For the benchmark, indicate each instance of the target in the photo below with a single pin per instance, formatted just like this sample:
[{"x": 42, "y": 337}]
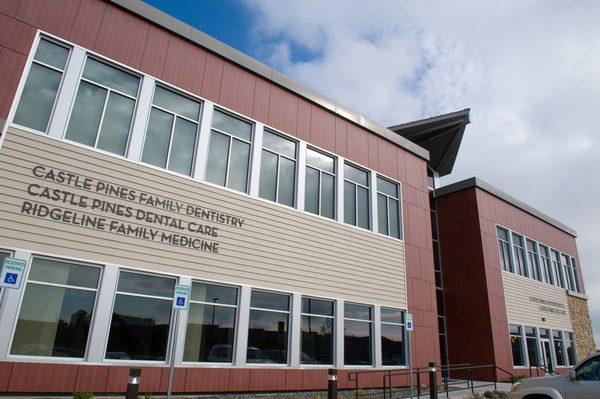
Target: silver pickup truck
[{"x": 581, "y": 382}]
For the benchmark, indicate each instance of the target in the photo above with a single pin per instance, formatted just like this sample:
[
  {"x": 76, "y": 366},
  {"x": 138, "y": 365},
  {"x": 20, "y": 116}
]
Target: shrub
[
  {"x": 83, "y": 395},
  {"x": 517, "y": 378},
  {"x": 489, "y": 394}
]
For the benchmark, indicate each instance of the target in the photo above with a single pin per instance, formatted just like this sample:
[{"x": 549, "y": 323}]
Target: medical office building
[{"x": 138, "y": 153}]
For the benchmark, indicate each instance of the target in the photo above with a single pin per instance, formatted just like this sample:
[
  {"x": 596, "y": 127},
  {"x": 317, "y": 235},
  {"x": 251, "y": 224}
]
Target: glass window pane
[
  {"x": 214, "y": 293},
  {"x": 270, "y": 300},
  {"x": 268, "y": 176},
  {"x": 231, "y": 125},
  {"x": 158, "y": 136},
  {"x": 362, "y": 196},
  {"x": 146, "y": 284},
  {"x": 139, "y": 329},
  {"x": 218, "y": 151},
  {"x": 390, "y": 315},
  {"x": 394, "y": 211},
  {"x": 51, "y": 54},
  {"x": 37, "y": 99},
  {"x": 287, "y": 181},
  {"x": 356, "y": 175},
  {"x": 392, "y": 345},
  {"x": 532, "y": 351},
  {"x": 319, "y": 160},
  {"x": 114, "y": 133},
  {"x": 327, "y": 195},
  {"x": 517, "y": 351},
  {"x": 357, "y": 343},
  {"x": 111, "y": 77},
  {"x": 59, "y": 272},
  {"x": 58, "y": 328},
  {"x": 354, "y": 311},
  {"x": 86, "y": 114},
  {"x": 349, "y": 203},
  {"x": 317, "y": 340},
  {"x": 183, "y": 147},
  {"x": 176, "y": 103},
  {"x": 382, "y": 214},
  {"x": 279, "y": 144},
  {"x": 238, "y": 168},
  {"x": 311, "y": 198},
  {"x": 267, "y": 337},
  {"x": 502, "y": 234},
  {"x": 317, "y": 306},
  {"x": 387, "y": 187},
  {"x": 210, "y": 334},
  {"x": 558, "y": 351}
]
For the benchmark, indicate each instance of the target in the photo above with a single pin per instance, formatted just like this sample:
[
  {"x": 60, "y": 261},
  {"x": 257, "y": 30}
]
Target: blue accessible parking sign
[
  {"x": 12, "y": 272},
  {"x": 181, "y": 296}
]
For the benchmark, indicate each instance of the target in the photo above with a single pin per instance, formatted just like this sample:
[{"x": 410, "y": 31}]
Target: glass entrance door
[{"x": 547, "y": 355}]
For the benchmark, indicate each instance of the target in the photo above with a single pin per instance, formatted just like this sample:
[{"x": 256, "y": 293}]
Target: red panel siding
[
  {"x": 9, "y": 7},
  {"x": 87, "y": 23},
  {"x": 56, "y": 17},
  {"x": 11, "y": 68},
  {"x": 283, "y": 110},
  {"x": 213, "y": 74},
  {"x": 91, "y": 379},
  {"x": 15, "y": 35},
  {"x": 237, "y": 89},
  {"x": 341, "y": 136},
  {"x": 322, "y": 128},
  {"x": 155, "y": 53},
  {"x": 304, "y": 111},
  {"x": 5, "y": 371},
  {"x": 357, "y": 144},
  {"x": 42, "y": 377},
  {"x": 184, "y": 65},
  {"x": 262, "y": 96}
]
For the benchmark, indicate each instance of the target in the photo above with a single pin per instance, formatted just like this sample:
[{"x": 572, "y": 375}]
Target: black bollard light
[
  {"x": 133, "y": 384},
  {"x": 433, "y": 394},
  {"x": 332, "y": 384}
]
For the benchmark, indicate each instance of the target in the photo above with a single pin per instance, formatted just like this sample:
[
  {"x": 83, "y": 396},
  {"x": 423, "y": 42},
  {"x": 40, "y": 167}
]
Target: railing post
[
  {"x": 495, "y": 378},
  {"x": 419, "y": 384},
  {"x": 432, "y": 381},
  {"x": 470, "y": 373},
  {"x": 133, "y": 383},
  {"x": 332, "y": 384}
]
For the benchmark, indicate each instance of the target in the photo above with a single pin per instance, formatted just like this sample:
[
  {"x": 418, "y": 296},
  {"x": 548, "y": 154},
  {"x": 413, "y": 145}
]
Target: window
[
  {"x": 317, "y": 331},
  {"x": 516, "y": 343},
  {"x": 388, "y": 208},
  {"x": 504, "y": 248},
  {"x": 211, "y": 323},
  {"x": 532, "y": 255},
  {"x": 566, "y": 263},
  {"x": 570, "y": 348},
  {"x": 558, "y": 348},
  {"x": 356, "y": 197},
  {"x": 357, "y": 335},
  {"x": 520, "y": 261},
  {"x": 392, "y": 337},
  {"x": 172, "y": 131},
  {"x": 532, "y": 346},
  {"x": 56, "y": 312},
  {"x": 228, "y": 160},
  {"x": 546, "y": 264},
  {"x": 560, "y": 282},
  {"x": 589, "y": 371},
  {"x": 320, "y": 184},
  {"x": 141, "y": 317},
  {"x": 278, "y": 169},
  {"x": 41, "y": 87},
  {"x": 575, "y": 275},
  {"x": 268, "y": 328},
  {"x": 103, "y": 110}
]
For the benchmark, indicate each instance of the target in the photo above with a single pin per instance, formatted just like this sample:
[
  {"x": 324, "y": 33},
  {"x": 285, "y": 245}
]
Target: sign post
[
  {"x": 181, "y": 299},
  {"x": 13, "y": 270},
  {"x": 409, "y": 328}
]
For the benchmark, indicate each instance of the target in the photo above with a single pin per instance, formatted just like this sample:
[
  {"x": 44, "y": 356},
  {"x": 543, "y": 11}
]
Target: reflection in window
[
  {"x": 317, "y": 331},
  {"x": 39, "y": 94},
  {"x": 532, "y": 346},
  {"x": 392, "y": 337},
  {"x": 558, "y": 348},
  {"x": 320, "y": 184},
  {"x": 356, "y": 197},
  {"x": 139, "y": 329},
  {"x": 268, "y": 328},
  {"x": 575, "y": 275},
  {"x": 57, "y": 308},
  {"x": 570, "y": 348},
  {"x": 172, "y": 132},
  {"x": 278, "y": 169},
  {"x": 520, "y": 261},
  {"x": 532, "y": 255},
  {"x": 388, "y": 208},
  {"x": 103, "y": 110},
  {"x": 560, "y": 282},
  {"x": 229, "y": 152},
  {"x": 546, "y": 264},
  {"x": 211, "y": 324},
  {"x": 357, "y": 335},
  {"x": 566, "y": 263},
  {"x": 589, "y": 371},
  {"x": 516, "y": 343},
  {"x": 504, "y": 248}
]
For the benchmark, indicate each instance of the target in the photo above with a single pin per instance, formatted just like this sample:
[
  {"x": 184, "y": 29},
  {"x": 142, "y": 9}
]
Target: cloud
[{"x": 527, "y": 69}]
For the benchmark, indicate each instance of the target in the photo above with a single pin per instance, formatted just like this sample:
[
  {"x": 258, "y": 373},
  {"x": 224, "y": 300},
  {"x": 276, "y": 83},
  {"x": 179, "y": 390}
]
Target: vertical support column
[
  {"x": 301, "y": 175},
  {"x": 378, "y": 362},
  {"x": 182, "y": 325},
  {"x": 295, "y": 330},
  {"x": 524, "y": 346},
  {"x": 140, "y": 121},
  {"x": 103, "y": 315},
  {"x": 259, "y": 129},
  {"x": 242, "y": 327},
  {"x": 339, "y": 334},
  {"x": 373, "y": 200},
  {"x": 10, "y": 305},
  {"x": 67, "y": 92},
  {"x": 339, "y": 189},
  {"x": 203, "y": 140}
]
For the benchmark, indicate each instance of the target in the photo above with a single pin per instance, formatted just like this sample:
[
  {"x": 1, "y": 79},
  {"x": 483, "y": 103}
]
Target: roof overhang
[{"x": 440, "y": 135}]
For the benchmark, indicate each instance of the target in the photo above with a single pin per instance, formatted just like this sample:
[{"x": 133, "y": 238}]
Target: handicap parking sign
[
  {"x": 181, "y": 297},
  {"x": 180, "y": 301},
  {"x": 12, "y": 272}
]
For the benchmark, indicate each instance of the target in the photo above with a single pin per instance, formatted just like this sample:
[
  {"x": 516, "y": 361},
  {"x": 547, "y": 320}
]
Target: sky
[{"x": 527, "y": 69}]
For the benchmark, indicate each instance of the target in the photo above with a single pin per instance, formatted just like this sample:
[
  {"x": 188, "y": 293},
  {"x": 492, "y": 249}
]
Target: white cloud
[{"x": 527, "y": 69}]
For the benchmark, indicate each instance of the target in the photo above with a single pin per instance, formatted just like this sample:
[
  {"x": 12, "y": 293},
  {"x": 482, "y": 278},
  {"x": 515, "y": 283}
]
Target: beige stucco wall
[
  {"x": 582, "y": 326},
  {"x": 268, "y": 246}
]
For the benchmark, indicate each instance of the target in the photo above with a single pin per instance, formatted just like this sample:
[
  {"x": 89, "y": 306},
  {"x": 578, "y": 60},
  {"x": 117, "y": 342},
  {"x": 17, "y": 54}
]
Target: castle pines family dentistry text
[{"x": 134, "y": 221}]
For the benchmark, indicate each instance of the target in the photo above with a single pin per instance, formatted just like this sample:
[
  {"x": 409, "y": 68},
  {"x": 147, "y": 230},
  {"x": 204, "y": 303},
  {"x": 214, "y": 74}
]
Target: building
[{"x": 138, "y": 153}]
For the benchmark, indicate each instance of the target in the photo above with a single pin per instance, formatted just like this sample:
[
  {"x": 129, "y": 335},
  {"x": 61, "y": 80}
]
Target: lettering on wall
[
  {"x": 549, "y": 306},
  {"x": 143, "y": 215}
]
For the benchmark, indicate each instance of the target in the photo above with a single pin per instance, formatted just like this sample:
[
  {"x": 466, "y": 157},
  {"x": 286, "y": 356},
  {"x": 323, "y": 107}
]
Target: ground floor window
[
  {"x": 57, "y": 308},
  {"x": 358, "y": 335},
  {"x": 317, "y": 324},
  {"x": 532, "y": 346},
  {"x": 392, "y": 337},
  {"x": 570, "y": 348},
  {"x": 558, "y": 348},
  {"x": 268, "y": 328},
  {"x": 516, "y": 343},
  {"x": 141, "y": 317}
]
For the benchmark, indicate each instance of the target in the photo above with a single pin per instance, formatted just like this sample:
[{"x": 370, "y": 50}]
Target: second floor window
[
  {"x": 560, "y": 282},
  {"x": 546, "y": 264},
  {"x": 504, "y": 249},
  {"x": 172, "y": 132},
  {"x": 532, "y": 255},
  {"x": 575, "y": 274},
  {"x": 520, "y": 260},
  {"x": 102, "y": 114},
  {"x": 566, "y": 264},
  {"x": 278, "y": 169},
  {"x": 320, "y": 184},
  {"x": 356, "y": 197},
  {"x": 388, "y": 208}
]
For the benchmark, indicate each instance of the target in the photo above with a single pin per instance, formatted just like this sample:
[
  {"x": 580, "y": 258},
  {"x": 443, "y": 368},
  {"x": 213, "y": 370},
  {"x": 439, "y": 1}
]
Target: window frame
[
  {"x": 522, "y": 249},
  {"x": 557, "y": 268},
  {"x": 546, "y": 263},
  {"x": 533, "y": 259},
  {"x": 506, "y": 249},
  {"x": 296, "y": 161},
  {"x": 388, "y": 199},
  {"x": 371, "y": 322},
  {"x": 522, "y": 345},
  {"x": 404, "y": 336},
  {"x": 335, "y": 175},
  {"x": 333, "y": 334},
  {"x": 369, "y": 199}
]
